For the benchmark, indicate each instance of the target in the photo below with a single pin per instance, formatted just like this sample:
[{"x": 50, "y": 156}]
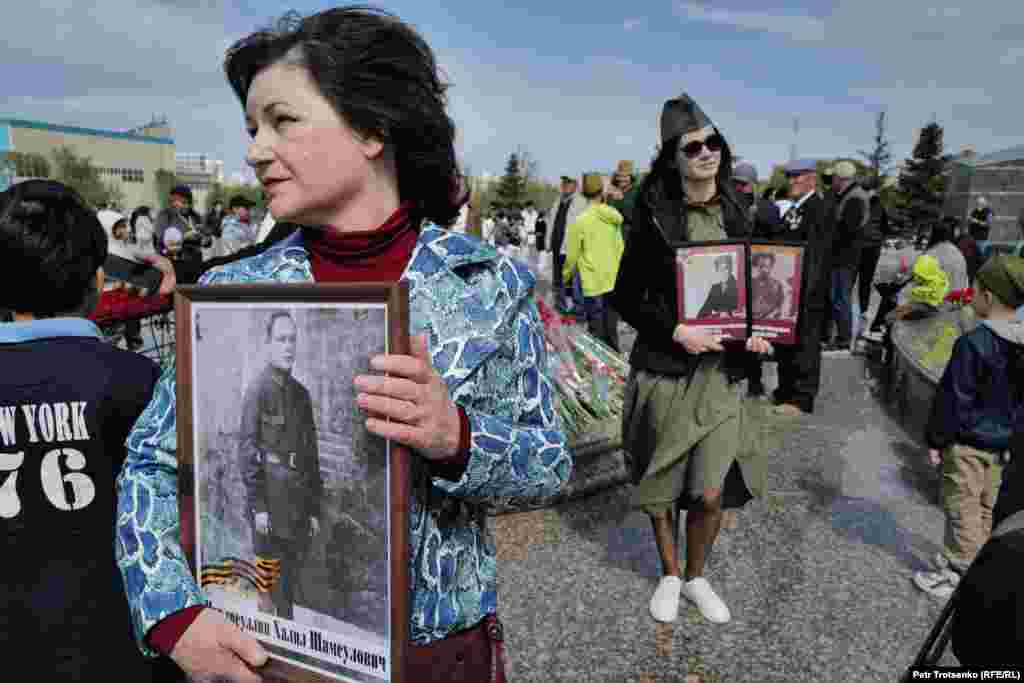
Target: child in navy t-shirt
[{"x": 67, "y": 403}]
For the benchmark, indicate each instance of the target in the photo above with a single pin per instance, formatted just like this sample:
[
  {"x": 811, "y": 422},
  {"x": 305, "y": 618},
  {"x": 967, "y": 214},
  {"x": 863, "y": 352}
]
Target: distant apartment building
[{"x": 129, "y": 159}]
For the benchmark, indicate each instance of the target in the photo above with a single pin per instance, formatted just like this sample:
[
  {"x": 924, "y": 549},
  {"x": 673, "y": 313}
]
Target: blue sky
[{"x": 579, "y": 85}]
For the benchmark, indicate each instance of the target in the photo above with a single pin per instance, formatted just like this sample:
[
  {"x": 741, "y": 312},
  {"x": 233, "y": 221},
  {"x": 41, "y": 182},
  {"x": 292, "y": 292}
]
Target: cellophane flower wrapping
[{"x": 574, "y": 357}]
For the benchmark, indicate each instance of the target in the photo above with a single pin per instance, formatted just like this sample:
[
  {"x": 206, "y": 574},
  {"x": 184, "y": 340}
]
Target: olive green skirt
[{"x": 684, "y": 435}]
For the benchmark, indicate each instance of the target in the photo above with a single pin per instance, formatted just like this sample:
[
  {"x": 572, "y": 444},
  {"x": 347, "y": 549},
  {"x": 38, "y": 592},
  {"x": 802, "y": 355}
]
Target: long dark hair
[
  {"x": 665, "y": 181},
  {"x": 382, "y": 78}
]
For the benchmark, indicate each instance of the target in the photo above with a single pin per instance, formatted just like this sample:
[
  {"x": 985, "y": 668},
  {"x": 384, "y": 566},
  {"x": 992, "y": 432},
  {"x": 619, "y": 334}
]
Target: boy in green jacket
[{"x": 594, "y": 246}]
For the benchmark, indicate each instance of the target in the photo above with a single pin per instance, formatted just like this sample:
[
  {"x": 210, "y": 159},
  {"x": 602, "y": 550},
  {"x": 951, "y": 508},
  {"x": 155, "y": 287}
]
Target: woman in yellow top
[{"x": 594, "y": 246}]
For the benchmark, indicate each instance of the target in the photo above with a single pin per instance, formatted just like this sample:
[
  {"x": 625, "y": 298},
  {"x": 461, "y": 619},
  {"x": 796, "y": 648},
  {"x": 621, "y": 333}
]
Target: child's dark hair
[{"x": 52, "y": 246}]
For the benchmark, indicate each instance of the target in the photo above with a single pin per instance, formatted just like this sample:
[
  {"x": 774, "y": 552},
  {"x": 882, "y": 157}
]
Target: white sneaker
[
  {"x": 665, "y": 603},
  {"x": 698, "y": 591},
  {"x": 940, "y": 584}
]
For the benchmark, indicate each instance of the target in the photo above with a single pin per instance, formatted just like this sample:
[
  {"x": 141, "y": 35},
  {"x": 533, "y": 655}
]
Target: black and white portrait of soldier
[
  {"x": 290, "y": 484},
  {"x": 280, "y": 461},
  {"x": 768, "y": 294},
  {"x": 723, "y": 298}
]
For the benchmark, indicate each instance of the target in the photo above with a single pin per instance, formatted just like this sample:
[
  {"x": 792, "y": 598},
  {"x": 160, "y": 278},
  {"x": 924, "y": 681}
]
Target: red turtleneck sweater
[{"x": 379, "y": 255}]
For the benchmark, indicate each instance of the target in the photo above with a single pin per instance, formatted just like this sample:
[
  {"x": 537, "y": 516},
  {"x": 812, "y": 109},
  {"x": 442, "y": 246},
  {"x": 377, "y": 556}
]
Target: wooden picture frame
[
  {"x": 776, "y": 290},
  {"x": 334, "y": 607},
  {"x": 746, "y": 302}
]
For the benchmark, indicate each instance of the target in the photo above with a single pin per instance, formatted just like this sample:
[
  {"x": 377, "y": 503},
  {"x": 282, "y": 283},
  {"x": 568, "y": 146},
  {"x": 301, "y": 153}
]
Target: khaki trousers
[{"x": 970, "y": 484}]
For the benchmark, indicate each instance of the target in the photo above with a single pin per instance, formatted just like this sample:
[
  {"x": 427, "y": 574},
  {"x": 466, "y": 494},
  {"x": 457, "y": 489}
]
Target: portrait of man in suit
[{"x": 723, "y": 298}]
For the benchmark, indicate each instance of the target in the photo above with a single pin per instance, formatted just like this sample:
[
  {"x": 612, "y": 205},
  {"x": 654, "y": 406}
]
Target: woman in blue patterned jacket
[{"x": 350, "y": 140}]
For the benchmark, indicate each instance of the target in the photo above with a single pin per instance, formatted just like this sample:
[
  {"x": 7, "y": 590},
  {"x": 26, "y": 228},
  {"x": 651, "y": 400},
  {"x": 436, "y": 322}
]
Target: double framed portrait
[
  {"x": 298, "y": 516},
  {"x": 740, "y": 288}
]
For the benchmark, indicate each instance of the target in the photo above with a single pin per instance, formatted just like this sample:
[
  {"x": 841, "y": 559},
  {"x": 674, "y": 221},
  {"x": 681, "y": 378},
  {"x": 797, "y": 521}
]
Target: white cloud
[
  {"x": 632, "y": 24},
  {"x": 795, "y": 26}
]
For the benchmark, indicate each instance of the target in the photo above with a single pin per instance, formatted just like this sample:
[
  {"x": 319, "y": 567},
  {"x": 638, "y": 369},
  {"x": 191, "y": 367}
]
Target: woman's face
[
  {"x": 310, "y": 162},
  {"x": 705, "y": 165}
]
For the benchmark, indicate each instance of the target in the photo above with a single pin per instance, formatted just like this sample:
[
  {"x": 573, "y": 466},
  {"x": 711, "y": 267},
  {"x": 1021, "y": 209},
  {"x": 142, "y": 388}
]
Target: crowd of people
[{"x": 362, "y": 182}]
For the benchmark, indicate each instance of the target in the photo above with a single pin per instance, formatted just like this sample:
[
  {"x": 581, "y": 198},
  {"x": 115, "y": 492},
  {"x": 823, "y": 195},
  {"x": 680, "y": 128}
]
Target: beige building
[{"x": 129, "y": 159}]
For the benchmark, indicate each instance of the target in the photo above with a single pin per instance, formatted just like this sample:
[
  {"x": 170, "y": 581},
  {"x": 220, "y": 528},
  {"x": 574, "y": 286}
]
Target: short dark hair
[
  {"x": 239, "y": 201},
  {"x": 762, "y": 256},
  {"x": 382, "y": 78},
  {"x": 942, "y": 231},
  {"x": 53, "y": 244},
  {"x": 274, "y": 317},
  {"x": 182, "y": 191}
]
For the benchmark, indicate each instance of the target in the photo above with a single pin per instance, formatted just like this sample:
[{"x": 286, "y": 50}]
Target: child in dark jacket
[
  {"x": 979, "y": 403},
  {"x": 988, "y": 624},
  {"x": 68, "y": 400}
]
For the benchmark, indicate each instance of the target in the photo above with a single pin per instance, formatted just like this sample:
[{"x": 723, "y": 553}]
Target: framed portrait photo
[
  {"x": 776, "y": 269},
  {"x": 299, "y": 516},
  {"x": 711, "y": 287}
]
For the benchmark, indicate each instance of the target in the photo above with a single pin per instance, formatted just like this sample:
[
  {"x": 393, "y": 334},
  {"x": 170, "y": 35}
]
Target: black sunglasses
[{"x": 714, "y": 143}]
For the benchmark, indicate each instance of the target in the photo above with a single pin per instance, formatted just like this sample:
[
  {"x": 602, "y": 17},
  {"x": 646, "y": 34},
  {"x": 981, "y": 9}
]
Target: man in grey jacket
[
  {"x": 563, "y": 214},
  {"x": 851, "y": 216}
]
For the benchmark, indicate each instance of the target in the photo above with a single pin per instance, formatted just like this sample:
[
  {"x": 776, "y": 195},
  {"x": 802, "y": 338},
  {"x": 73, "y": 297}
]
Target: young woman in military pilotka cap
[{"x": 683, "y": 422}]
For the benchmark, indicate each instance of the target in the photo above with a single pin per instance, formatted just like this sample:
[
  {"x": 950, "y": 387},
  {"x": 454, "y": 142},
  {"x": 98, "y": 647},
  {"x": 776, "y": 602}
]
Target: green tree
[
  {"x": 223, "y": 192},
  {"x": 921, "y": 182},
  {"x": 512, "y": 188},
  {"x": 165, "y": 180},
  {"x": 879, "y": 157},
  {"x": 29, "y": 164},
  {"x": 79, "y": 174}
]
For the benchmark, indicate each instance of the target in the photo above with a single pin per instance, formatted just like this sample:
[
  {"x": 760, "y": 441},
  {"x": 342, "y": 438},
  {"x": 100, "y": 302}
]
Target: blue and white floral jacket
[{"x": 487, "y": 342}]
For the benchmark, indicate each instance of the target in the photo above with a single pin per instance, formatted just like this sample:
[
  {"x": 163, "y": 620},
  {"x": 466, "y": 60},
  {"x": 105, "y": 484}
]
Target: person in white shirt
[
  {"x": 141, "y": 227},
  {"x": 119, "y": 246},
  {"x": 488, "y": 229},
  {"x": 530, "y": 219},
  {"x": 116, "y": 227}
]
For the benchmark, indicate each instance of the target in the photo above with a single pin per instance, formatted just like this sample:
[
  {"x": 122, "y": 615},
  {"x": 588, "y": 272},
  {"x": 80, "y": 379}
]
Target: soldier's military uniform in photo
[{"x": 281, "y": 466}]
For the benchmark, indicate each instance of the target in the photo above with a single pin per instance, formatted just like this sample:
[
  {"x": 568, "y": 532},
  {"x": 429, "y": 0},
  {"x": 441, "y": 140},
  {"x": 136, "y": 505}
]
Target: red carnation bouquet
[{"x": 961, "y": 297}]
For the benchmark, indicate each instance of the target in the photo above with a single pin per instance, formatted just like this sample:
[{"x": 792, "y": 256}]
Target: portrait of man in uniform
[
  {"x": 280, "y": 464},
  {"x": 767, "y": 293}
]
